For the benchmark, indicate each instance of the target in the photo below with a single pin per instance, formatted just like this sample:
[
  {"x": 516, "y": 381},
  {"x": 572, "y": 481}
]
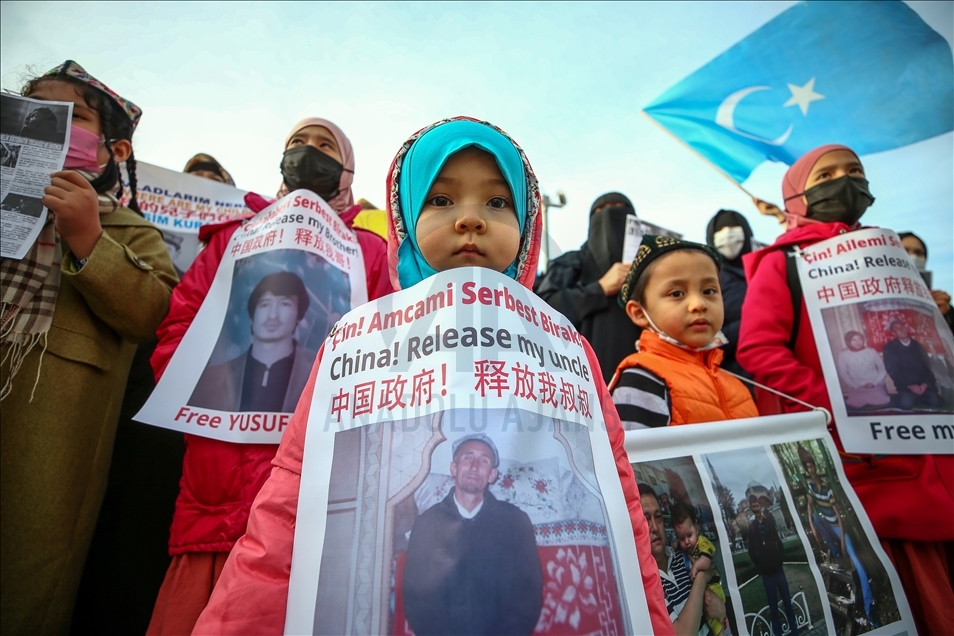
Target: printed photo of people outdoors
[
  {"x": 857, "y": 586},
  {"x": 685, "y": 543},
  {"x": 778, "y": 590},
  {"x": 892, "y": 356}
]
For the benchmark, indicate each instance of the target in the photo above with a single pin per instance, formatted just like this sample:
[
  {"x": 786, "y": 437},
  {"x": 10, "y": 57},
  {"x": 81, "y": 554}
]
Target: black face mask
[
  {"x": 309, "y": 168},
  {"x": 843, "y": 199}
]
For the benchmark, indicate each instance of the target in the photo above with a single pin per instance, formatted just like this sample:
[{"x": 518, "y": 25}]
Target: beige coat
[{"x": 56, "y": 449}]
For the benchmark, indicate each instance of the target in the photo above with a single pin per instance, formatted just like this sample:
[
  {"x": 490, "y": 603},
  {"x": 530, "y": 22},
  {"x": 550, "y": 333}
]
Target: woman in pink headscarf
[
  {"x": 908, "y": 497},
  {"x": 220, "y": 479}
]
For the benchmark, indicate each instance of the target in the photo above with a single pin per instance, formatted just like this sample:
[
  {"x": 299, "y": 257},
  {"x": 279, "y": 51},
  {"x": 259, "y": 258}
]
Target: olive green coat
[{"x": 56, "y": 449}]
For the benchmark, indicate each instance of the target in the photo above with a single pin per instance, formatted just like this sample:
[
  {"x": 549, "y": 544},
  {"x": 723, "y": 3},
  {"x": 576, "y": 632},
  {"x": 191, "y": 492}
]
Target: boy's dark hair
[
  {"x": 280, "y": 284},
  {"x": 114, "y": 123},
  {"x": 680, "y": 512}
]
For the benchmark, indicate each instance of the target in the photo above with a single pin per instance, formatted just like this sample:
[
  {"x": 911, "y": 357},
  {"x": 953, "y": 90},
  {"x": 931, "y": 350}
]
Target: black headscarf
[
  {"x": 604, "y": 244},
  {"x": 730, "y": 218}
]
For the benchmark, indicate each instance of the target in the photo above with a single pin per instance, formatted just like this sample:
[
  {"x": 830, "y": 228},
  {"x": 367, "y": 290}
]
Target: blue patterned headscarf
[{"x": 422, "y": 165}]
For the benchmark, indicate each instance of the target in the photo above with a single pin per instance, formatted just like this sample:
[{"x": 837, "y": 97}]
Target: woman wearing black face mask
[
  {"x": 825, "y": 195},
  {"x": 317, "y": 157}
]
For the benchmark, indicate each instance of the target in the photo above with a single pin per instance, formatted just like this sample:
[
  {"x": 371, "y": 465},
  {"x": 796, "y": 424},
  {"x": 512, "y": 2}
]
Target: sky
[
  {"x": 566, "y": 80},
  {"x": 737, "y": 469}
]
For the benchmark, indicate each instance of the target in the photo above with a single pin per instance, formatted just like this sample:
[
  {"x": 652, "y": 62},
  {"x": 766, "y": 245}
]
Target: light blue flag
[{"x": 870, "y": 75}]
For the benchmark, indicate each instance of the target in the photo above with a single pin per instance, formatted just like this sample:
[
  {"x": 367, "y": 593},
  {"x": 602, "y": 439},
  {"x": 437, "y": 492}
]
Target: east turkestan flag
[{"x": 870, "y": 75}]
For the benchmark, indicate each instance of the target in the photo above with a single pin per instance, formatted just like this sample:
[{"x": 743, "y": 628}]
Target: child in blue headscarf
[{"x": 461, "y": 193}]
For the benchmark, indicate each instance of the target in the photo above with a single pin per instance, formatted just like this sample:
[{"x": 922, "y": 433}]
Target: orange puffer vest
[{"x": 699, "y": 392}]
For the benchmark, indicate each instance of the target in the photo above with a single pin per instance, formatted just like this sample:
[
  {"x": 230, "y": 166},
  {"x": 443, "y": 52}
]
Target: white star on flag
[{"x": 802, "y": 96}]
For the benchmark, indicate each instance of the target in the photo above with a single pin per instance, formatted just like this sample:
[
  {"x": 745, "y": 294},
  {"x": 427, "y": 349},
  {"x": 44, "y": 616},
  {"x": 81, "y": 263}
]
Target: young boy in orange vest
[{"x": 673, "y": 293}]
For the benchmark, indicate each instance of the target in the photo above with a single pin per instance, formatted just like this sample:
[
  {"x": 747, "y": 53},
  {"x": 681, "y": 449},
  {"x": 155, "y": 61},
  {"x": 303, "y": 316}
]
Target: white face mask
[
  {"x": 717, "y": 341},
  {"x": 729, "y": 241},
  {"x": 920, "y": 262}
]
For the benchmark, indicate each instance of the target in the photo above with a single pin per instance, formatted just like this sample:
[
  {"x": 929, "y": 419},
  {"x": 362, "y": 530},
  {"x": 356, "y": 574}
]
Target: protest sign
[
  {"x": 793, "y": 545},
  {"x": 179, "y": 204},
  {"x": 465, "y": 395},
  {"x": 885, "y": 350},
  {"x": 285, "y": 279},
  {"x": 34, "y": 138},
  {"x": 635, "y": 229}
]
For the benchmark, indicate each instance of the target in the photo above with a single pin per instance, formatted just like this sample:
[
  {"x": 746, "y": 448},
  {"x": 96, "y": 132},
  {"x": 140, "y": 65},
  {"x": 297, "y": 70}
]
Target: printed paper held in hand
[
  {"x": 465, "y": 392},
  {"x": 34, "y": 138},
  {"x": 885, "y": 349},
  {"x": 285, "y": 279},
  {"x": 634, "y": 234},
  {"x": 771, "y": 496}
]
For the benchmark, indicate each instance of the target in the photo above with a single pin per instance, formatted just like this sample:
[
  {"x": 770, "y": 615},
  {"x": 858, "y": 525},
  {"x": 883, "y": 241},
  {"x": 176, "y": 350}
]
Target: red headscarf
[{"x": 793, "y": 183}]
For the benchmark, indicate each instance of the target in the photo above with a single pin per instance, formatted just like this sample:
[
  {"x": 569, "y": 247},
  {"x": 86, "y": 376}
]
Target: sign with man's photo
[
  {"x": 458, "y": 476},
  {"x": 758, "y": 514},
  {"x": 886, "y": 351},
  {"x": 287, "y": 276}
]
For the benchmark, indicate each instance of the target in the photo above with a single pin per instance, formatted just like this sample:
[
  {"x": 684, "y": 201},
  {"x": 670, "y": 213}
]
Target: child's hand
[
  {"x": 76, "y": 206},
  {"x": 612, "y": 281},
  {"x": 702, "y": 564}
]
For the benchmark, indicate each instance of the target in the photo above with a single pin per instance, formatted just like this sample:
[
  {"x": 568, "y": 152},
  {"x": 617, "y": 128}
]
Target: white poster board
[
  {"x": 886, "y": 351},
  {"x": 635, "y": 229},
  {"x": 179, "y": 204},
  {"x": 247, "y": 345},
  {"x": 401, "y": 382},
  {"x": 720, "y": 471}
]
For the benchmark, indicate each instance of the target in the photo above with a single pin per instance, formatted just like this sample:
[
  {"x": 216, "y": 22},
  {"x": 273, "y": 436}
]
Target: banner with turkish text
[{"x": 179, "y": 204}]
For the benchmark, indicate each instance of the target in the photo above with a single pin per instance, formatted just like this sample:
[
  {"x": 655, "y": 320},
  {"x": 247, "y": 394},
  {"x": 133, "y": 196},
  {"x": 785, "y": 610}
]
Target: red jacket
[
  {"x": 220, "y": 479},
  {"x": 906, "y": 496}
]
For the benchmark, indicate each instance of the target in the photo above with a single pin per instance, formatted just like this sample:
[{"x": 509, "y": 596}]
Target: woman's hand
[
  {"x": 769, "y": 209},
  {"x": 612, "y": 281},
  {"x": 75, "y": 205}
]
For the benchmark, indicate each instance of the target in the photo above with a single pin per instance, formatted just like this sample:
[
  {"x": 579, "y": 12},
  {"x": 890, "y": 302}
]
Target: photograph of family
[
  {"x": 685, "y": 543},
  {"x": 892, "y": 356}
]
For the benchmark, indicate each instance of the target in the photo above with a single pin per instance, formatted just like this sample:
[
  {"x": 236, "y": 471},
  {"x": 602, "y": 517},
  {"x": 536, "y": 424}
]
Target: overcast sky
[{"x": 565, "y": 80}]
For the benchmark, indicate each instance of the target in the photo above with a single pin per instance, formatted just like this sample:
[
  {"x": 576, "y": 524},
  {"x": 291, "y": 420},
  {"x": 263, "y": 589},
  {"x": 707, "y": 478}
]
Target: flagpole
[
  {"x": 780, "y": 217},
  {"x": 697, "y": 153}
]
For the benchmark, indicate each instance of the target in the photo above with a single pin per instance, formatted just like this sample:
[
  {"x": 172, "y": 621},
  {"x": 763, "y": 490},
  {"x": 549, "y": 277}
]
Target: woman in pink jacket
[
  {"x": 252, "y": 594},
  {"x": 220, "y": 479},
  {"x": 909, "y": 498}
]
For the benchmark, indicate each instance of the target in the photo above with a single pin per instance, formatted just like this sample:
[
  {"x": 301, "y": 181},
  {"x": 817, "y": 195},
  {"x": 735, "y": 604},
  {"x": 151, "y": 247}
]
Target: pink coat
[
  {"x": 252, "y": 593},
  {"x": 907, "y": 497}
]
